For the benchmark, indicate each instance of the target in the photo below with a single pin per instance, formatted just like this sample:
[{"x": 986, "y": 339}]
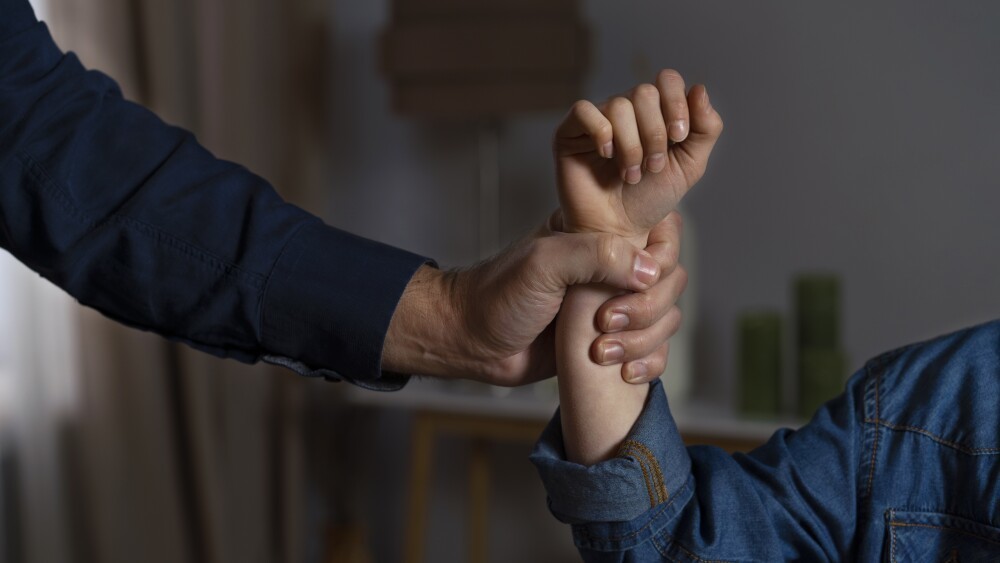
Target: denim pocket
[{"x": 939, "y": 538}]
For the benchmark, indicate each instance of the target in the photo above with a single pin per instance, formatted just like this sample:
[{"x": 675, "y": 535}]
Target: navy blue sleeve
[{"x": 134, "y": 218}]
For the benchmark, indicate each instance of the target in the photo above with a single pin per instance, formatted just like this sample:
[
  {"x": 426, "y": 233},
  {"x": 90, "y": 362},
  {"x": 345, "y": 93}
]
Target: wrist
[
  {"x": 558, "y": 223},
  {"x": 413, "y": 343},
  {"x": 597, "y": 408}
]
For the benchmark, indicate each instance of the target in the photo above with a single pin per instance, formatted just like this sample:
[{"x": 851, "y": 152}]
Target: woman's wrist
[{"x": 597, "y": 407}]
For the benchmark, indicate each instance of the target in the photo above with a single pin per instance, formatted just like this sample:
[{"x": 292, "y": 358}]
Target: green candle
[
  {"x": 760, "y": 363},
  {"x": 817, "y": 311},
  {"x": 821, "y": 378},
  {"x": 820, "y": 360}
]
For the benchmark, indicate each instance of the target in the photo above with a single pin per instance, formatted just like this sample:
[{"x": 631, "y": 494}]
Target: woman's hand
[{"x": 623, "y": 165}]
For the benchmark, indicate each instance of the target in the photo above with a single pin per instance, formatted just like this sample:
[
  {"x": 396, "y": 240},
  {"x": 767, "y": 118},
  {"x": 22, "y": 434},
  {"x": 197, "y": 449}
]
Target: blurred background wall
[{"x": 861, "y": 138}]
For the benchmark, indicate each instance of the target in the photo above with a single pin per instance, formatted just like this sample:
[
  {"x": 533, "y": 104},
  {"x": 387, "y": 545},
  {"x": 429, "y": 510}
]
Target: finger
[
  {"x": 640, "y": 310},
  {"x": 664, "y": 241},
  {"x": 652, "y": 130},
  {"x": 584, "y": 129},
  {"x": 632, "y": 345},
  {"x": 706, "y": 127},
  {"x": 562, "y": 260},
  {"x": 674, "y": 104},
  {"x": 628, "y": 146},
  {"x": 648, "y": 368}
]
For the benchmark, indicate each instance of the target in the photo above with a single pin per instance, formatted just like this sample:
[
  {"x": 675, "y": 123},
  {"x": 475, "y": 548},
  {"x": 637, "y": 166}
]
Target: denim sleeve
[
  {"x": 792, "y": 499},
  {"x": 134, "y": 218}
]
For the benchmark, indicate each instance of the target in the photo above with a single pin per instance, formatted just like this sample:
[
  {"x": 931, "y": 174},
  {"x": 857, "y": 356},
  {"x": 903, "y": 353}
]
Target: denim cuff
[
  {"x": 328, "y": 303},
  {"x": 652, "y": 465}
]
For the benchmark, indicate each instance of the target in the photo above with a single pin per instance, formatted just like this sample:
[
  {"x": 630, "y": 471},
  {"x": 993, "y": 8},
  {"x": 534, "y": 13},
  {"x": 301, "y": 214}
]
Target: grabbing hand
[
  {"x": 623, "y": 165},
  {"x": 494, "y": 321}
]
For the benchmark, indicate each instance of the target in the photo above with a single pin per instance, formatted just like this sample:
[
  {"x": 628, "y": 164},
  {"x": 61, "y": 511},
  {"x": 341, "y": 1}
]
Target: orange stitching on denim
[
  {"x": 625, "y": 450},
  {"x": 661, "y": 488},
  {"x": 945, "y": 528},
  {"x": 655, "y": 484},
  {"x": 932, "y": 436}
]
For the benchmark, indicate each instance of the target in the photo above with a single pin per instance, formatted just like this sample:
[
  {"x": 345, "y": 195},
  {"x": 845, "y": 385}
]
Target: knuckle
[
  {"x": 657, "y": 137},
  {"x": 668, "y": 255},
  {"x": 674, "y": 318},
  {"x": 632, "y": 153},
  {"x": 604, "y": 130},
  {"x": 671, "y": 257},
  {"x": 647, "y": 309},
  {"x": 537, "y": 254},
  {"x": 581, "y": 107},
  {"x": 668, "y": 75},
  {"x": 619, "y": 105},
  {"x": 657, "y": 362},
  {"x": 638, "y": 342},
  {"x": 645, "y": 92},
  {"x": 607, "y": 251},
  {"x": 716, "y": 126},
  {"x": 682, "y": 278}
]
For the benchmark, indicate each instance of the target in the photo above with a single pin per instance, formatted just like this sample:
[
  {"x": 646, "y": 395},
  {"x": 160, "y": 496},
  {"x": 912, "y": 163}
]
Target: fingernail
[
  {"x": 637, "y": 371},
  {"x": 618, "y": 321},
  {"x": 708, "y": 104},
  {"x": 608, "y": 150},
  {"x": 612, "y": 353},
  {"x": 655, "y": 162},
  {"x": 633, "y": 174},
  {"x": 678, "y": 130},
  {"x": 645, "y": 269}
]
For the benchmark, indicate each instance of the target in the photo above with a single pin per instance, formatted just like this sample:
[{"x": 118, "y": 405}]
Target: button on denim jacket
[{"x": 904, "y": 466}]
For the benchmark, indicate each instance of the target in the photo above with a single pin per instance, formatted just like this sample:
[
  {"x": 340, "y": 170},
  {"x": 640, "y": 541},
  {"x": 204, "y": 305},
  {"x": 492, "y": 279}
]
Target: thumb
[
  {"x": 706, "y": 127},
  {"x": 578, "y": 258}
]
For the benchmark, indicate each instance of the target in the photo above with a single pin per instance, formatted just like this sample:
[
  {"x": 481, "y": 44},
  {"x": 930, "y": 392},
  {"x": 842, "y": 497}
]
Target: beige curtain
[{"x": 179, "y": 456}]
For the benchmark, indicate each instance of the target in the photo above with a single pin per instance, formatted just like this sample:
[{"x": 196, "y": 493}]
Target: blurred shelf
[{"x": 537, "y": 403}]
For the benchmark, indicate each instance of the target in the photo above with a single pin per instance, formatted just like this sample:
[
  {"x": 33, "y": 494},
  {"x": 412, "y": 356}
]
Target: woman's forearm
[{"x": 597, "y": 407}]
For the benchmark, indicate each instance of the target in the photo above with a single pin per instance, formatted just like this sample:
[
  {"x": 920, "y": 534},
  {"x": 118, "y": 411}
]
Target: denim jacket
[{"x": 904, "y": 466}]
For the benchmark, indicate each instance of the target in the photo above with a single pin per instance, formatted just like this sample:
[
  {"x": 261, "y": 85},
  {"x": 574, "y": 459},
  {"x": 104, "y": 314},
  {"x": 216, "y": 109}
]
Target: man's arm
[
  {"x": 495, "y": 321},
  {"x": 135, "y": 218}
]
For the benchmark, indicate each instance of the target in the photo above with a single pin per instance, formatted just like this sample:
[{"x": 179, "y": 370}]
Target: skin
[
  {"x": 622, "y": 168},
  {"x": 493, "y": 322}
]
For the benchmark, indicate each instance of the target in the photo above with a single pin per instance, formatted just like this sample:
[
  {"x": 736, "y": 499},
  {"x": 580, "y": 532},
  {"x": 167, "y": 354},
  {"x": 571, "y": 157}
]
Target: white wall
[{"x": 860, "y": 137}]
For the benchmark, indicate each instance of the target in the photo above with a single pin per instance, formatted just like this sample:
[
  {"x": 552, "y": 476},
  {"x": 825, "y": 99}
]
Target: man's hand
[
  {"x": 494, "y": 322},
  {"x": 621, "y": 166}
]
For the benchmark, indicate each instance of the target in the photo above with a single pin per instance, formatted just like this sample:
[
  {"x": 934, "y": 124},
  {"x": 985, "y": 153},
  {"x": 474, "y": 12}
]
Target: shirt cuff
[
  {"x": 650, "y": 469},
  {"x": 328, "y": 303}
]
